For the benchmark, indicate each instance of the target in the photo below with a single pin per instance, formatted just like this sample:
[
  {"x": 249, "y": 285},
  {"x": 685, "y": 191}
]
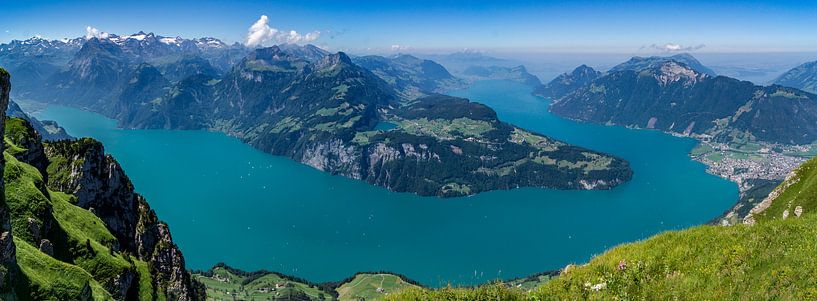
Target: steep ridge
[
  {"x": 803, "y": 77},
  {"x": 8, "y": 255},
  {"x": 568, "y": 82},
  {"x": 80, "y": 231}
]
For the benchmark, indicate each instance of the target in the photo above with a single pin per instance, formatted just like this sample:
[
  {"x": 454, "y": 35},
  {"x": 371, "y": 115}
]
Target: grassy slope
[
  {"x": 224, "y": 285},
  {"x": 366, "y": 286},
  {"x": 73, "y": 230},
  {"x": 47, "y": 277},
  {"x": 771, "y": 260},
  {"x": 803, "y": 193}
]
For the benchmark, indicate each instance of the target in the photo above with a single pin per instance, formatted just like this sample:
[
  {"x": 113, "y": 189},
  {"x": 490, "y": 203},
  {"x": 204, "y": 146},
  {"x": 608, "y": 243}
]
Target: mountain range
[
  {"x": 48, "y": 129},
  {"x": 518, "y": 74},
  {"x": 324, "y": 110},
  {"x": 803, "y": 77},
  {"x": 410, "y": 76},
  {"x": 677, "y": 94}
]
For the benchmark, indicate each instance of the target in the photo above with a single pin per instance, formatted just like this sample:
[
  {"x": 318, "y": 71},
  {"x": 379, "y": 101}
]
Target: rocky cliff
[
  {"x": 80, "y": 230},
  {"x": 8, "y": 259},
  {"x": 81, "y": 168}
]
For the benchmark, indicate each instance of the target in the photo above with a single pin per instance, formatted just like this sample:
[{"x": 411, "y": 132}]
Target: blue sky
[{"x": 420, "y": 25}]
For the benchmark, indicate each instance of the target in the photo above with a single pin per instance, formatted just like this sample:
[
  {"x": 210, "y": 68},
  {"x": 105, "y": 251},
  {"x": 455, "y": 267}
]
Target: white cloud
[
  {"x": 671, "y": 47},
  {"x": 400, "y": 47},
  {"x": 260, "y": 32},
  {"x": 91, "y": 32}
]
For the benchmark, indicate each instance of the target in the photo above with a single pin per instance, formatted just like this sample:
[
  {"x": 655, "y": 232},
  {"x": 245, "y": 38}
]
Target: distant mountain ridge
[
  {"x": 640, "y": 63},
  {"x": 49, "y": 130},
  {"x": 674, "y": 97},
  {"x": 518, "y": 74},
  {"x": 410, "y": 76},
  {"x": 803, "y": 77},
  {"x": 568, "y": 82}
]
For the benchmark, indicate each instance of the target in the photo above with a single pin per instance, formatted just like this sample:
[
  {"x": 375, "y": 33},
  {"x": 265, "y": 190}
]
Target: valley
[
  {"x": 749, "y": 134},
  {"x": 147, "y": 81},
  {"x": 408, "y": 150},
  {"x": 358, "y": 221}
]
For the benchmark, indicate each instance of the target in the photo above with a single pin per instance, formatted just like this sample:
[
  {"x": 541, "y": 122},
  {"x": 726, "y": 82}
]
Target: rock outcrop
[
  {"x": 100, "y": 185},
  {"x": 8, "y": 259}
]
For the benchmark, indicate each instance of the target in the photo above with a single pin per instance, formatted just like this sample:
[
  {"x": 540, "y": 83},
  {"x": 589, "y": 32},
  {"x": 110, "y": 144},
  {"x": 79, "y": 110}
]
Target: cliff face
[
  {"x": 81, "y": 232},
  {"x": 82, "y": 168},
  {"x": 8, "y": 260}
]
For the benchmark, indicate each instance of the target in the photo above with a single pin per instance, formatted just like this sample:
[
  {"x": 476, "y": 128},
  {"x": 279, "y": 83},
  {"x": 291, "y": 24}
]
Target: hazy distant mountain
[
  {"x": 674, "y": 97},
  {"x": 568, "y": 82},
  {"x": 186, "y": 67},
  {"x": 36, "y": 62},
  {"x": 802, "y": 77},
  {"x": 473, "y": 57},
  {"x": 411, "y": 76},
  {"x": 640, "y": 63},
  {"x": 49, "y": 130},
  {"x": 307, "y": 52},
  {"x": 458, "y": 62},
  {"x": 583, "y": 75},
  {"x": 39, "y": 47},
  {"x": 517, "y": 74}
]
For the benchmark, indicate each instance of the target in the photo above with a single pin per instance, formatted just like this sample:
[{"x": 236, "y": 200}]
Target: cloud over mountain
[
  {"x": 91, "y": 32},
  {"x": 260, "y": 32},
  {"x": 671, "y": 47}
]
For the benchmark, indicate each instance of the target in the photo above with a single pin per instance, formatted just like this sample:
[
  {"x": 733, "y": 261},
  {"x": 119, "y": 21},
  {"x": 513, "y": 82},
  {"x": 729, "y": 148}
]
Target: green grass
[
  {"x": 529, "y": 283},
  {"x": 82, "y": 259},
  {"x": 288, "y": 124},
  {"x": 145, "y": 282},
  {"x": 715, "y": 157},
  {"x": 701, "y": 149},
  {"x": 371, "y": 287},
  {"x": 78, "y": 221},
  {"x": 25, "y": 197},
  {"x": 17, "y": 132},
  {"x": 801, "y": 192},
  {"x": 51, "y": 279},
  {"x": 444, "y": 129},
  {"x": 767, "y": 261},
  {"x": 225, "y": 285},
  {"x": 521, "y": 136},
  {"x": 490, "y": 292},
  {"x": 81, "y": 228},
  {"x": 362, "y": 138}
]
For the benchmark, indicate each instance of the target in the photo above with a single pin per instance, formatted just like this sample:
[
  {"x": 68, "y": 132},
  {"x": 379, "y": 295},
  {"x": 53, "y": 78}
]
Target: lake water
[{"x": 227, "y": 202}]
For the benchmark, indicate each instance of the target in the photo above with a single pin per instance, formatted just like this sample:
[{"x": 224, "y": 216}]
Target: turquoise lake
[{"x": 227, "y": 202}]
